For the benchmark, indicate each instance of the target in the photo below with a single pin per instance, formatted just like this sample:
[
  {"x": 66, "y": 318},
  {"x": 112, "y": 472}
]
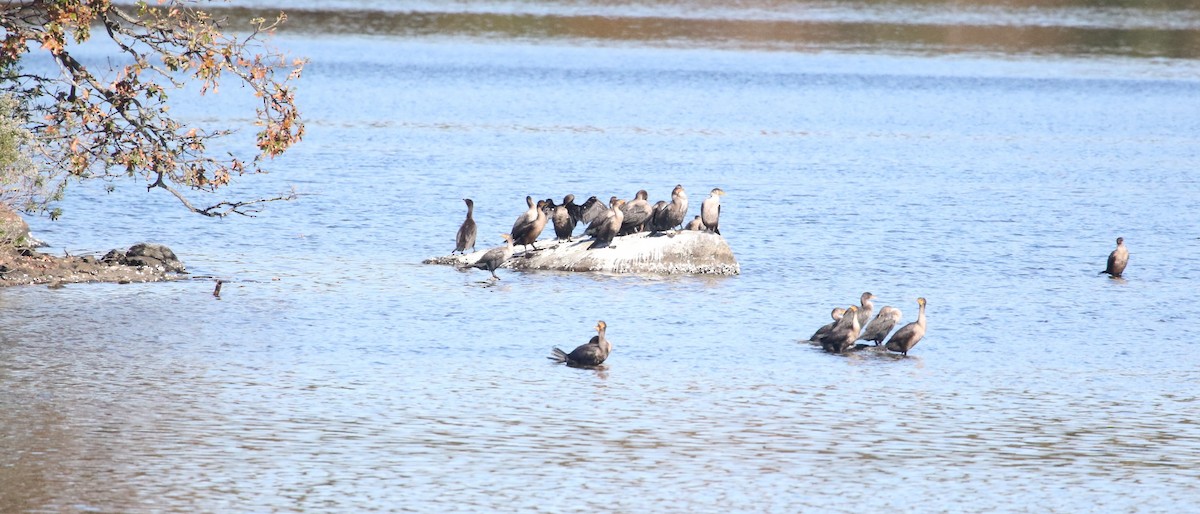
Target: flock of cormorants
[
  {"x": 603, "y": 223},
  {"x": 851, "y": 324}
]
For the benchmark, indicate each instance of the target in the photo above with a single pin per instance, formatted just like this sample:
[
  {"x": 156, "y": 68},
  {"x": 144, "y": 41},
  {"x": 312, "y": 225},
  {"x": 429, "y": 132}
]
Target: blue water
[{"x": 338, "y": 373}]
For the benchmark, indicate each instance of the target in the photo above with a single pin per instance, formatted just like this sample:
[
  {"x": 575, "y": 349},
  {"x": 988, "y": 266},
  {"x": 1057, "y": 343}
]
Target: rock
[
  {"x": 687, "y": 252},
  {"x": 141, "y": 263},
  {"x": 152, "y": 255},
  {"x": 13, "y": 229}
]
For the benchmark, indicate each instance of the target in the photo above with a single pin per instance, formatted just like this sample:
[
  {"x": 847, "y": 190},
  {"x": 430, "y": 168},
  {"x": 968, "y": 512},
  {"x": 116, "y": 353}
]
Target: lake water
[{"x": 338, "y": 373}]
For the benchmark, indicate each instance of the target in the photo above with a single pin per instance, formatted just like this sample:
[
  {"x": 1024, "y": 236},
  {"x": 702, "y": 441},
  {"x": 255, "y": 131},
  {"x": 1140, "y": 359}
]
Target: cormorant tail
[{"x": 557, "y": 355}]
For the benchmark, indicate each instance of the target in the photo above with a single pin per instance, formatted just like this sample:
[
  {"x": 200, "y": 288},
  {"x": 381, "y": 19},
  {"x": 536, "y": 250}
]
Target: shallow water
[{"x": 336, "y": 372}]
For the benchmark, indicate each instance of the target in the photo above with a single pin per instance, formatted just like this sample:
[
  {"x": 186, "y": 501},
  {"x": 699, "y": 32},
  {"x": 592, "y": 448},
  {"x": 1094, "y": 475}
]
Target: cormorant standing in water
[
  {"x": 1117, "y": 259},
  {"x": 837, "y": 315},
  {"x": 866, "y": 309},
  {"x": 909, "y": 335},
  {"x": 844, "y": 333},
  {"x": 879, "y": 327}
]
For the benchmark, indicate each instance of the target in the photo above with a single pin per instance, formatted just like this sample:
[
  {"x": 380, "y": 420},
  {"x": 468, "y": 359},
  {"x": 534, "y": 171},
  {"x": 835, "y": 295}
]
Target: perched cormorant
[
  {"x": 591, "y": 209},
  {"x": 909, "y": 335},
  {"x": 609, "y": 229},
  {"x": 695, "y": 224},
  {"x": 529, "y": 224},
  {"x": 564, "y": 221},
  {"x": 466, "y": 233},
  {"x": 494, "y": 257},
  {"x": 866, "y": 310},
  {"x": 548, "y": 207},
  {"x": 710, "y": 210},
  {"x": 1117, "y": 259},
  {"x": 879, "y": 327},
  {"x": 837, "y": 314},
  {"x": 844, "y": 333},
  {"x": 601, "y": 219},
  {"x": 573, "y": 209},
  {"x": 637, "y": 213},
  {"x": 591, "y": 354},
  {"x": 658, "y": 215},
  {"x": 677, "y": 210}
]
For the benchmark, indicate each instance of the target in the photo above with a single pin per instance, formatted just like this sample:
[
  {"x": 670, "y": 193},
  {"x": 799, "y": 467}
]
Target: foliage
[
  {"x": 116, "y": 122},
  {"x": 22, "y": 183}
]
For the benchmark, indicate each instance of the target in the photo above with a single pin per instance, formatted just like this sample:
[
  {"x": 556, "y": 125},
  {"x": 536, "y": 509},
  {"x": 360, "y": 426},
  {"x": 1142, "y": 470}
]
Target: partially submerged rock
[
  {"x": 686, "y": 252},
  {"x": 143, "y": 262}
]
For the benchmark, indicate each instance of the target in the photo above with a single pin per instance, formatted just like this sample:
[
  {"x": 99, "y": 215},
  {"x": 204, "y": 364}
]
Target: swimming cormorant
[{"x": 591, "y": 354}]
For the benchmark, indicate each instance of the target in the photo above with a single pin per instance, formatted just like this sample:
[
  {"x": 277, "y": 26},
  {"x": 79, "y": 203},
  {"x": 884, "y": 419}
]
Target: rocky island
[{"x": 686, "y": 252}]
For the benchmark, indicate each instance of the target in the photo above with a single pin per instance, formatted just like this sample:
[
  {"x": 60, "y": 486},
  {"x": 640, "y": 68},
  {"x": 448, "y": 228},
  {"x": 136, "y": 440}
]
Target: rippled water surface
[{"x": 337, "y": 373}]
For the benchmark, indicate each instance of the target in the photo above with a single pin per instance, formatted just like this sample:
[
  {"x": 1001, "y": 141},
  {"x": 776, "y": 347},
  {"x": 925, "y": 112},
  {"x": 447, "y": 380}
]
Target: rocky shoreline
[{"x": 142, "y": 262}]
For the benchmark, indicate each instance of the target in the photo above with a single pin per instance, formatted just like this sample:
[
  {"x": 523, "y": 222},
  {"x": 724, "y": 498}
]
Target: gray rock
[
  {"x": 152, "y": 254},
  {"x": 688, "y": 252}
]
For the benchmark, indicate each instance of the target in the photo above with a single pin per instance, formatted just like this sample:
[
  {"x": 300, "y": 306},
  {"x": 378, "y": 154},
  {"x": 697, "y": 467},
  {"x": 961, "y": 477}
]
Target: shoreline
[{"x": 142, "y": 262}]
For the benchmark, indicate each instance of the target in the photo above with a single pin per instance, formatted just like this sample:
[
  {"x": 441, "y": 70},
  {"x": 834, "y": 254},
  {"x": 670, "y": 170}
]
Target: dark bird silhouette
[
  {"x": 465, "y": 238},
  {"x": 658, "y": 217},
  {"x": 591, "y": 354}
]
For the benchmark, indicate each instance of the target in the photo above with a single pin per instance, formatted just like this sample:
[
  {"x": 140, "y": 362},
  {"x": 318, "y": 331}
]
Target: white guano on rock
[{"x": 669, "y": 253}]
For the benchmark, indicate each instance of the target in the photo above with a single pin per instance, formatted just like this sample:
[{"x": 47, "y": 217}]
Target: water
[{"x": 337, "y": 373}]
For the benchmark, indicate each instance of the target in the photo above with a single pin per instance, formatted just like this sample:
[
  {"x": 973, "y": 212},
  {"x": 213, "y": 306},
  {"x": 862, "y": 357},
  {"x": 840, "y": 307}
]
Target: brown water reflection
[{"x": 1067, "y": 28}]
